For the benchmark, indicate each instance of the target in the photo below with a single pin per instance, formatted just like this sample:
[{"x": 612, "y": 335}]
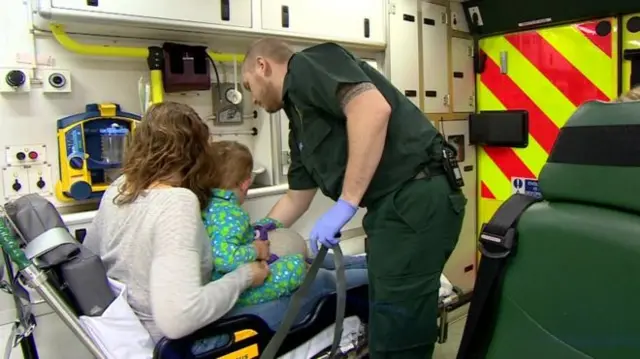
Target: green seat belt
[{"x": 296, "y": 300}]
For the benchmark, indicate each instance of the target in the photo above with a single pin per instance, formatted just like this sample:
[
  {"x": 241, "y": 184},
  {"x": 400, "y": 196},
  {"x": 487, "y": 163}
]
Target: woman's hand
[
  {"x": 259, "y": 271},
  {"x": 262, "y": 249}
]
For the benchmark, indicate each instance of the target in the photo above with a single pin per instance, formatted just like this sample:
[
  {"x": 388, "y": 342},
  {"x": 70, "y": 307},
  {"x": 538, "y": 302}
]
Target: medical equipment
[
  {"x": 91, "y": 150},
  {"x": 185, "y": 68}
]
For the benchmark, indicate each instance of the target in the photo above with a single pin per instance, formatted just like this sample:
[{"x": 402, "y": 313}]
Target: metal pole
[
  {"x": 37, "y": 280},
  {"x": 27, "y": 344}
]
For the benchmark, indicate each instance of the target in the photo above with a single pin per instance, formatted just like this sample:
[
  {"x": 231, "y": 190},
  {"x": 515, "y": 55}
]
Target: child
[{"x": 232, "y": 235}]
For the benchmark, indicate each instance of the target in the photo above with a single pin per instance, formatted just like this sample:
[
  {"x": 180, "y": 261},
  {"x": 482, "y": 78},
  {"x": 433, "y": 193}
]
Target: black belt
[{"x": 431, "y": 170}]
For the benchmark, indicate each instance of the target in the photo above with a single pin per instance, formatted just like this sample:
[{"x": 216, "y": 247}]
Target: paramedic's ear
[{"x": 262, "y": 66}]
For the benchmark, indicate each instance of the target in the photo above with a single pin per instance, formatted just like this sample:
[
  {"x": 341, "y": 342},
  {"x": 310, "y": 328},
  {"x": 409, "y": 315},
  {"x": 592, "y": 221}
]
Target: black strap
[
  {"x": 25, "y": 323},
  {"x": 607, "y": 145},
  {"x": 497, "y": 242},
  {"x": 297, "y": 298}
]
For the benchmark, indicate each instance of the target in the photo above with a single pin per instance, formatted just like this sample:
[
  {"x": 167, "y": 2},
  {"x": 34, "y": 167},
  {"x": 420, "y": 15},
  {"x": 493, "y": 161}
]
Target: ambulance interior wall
[
  {"x": 549, "y": 72},
  {"x": 28, "y": 120},
  {"x": 500, "y": 16}
]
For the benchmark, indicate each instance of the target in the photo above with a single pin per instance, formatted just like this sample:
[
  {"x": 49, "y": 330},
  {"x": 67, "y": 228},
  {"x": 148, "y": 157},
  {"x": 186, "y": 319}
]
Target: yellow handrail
[{"x": 119, "y": 51}]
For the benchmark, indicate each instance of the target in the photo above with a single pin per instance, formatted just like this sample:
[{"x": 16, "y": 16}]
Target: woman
[{"x": 150, "y": 235}]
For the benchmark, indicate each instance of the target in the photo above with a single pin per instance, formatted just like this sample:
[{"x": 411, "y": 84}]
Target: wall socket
[
  {"x": 56, "y": 81},
  {"x": 40, "y": 179},
  {"x": 16, "y": 182},
  {"x": 22, "y": 155},
  {"x": 14, "y": 80}
]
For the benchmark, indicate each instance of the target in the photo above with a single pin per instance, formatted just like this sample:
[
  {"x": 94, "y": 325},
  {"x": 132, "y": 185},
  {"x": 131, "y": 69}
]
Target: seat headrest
[
  {"x": 33, "y": 216},
  {"x": 596, "y": 157}
]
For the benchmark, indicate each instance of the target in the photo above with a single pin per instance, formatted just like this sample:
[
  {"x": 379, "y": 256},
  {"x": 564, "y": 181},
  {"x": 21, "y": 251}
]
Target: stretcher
[{"x": 244, "y": 336}]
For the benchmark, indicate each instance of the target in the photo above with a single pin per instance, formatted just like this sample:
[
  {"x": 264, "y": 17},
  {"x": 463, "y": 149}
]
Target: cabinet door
[
  {"x": 374, "y": 26},
  {"x": 435, "y": 69},
  {"x": 403, "y": 53},
  {"x": 358, "y": 21},
  {"x": 463, "y": 76},
  {"x": 458, "y": 20},
  {"x": 219, "y": 12}
]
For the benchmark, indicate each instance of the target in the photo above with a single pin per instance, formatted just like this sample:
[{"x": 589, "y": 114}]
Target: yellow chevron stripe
[
  {"x": 584, "y": 55},
  {"x": 528, "y": 78},
  {"x": 630, "y": 41},
  {"x": 488, "y": 171},
  {"x": 539, "y": 89},
  {"x": 493, "y": 177},
  {"x": 487, "y": 101}
]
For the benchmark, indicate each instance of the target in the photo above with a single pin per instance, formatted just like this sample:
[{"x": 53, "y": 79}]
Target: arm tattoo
[{"x": 348, "y": 92}]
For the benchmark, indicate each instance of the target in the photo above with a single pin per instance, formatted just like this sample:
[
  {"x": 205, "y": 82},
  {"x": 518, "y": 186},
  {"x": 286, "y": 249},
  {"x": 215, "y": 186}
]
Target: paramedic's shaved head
[{"x": 263, "y": 72}]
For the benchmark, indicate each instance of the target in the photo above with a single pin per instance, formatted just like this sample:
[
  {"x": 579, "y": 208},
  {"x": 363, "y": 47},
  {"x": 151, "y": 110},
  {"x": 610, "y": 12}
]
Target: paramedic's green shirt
[{"x": 318, "y": 135}]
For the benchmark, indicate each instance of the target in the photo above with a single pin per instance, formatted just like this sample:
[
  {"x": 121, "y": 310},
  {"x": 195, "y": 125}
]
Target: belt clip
[{"x": 496, "y": 246}]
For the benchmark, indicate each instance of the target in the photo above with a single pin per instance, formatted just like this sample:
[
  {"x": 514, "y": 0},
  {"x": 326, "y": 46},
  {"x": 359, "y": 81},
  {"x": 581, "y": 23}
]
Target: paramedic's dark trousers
[{"x": 410, "y": 235}]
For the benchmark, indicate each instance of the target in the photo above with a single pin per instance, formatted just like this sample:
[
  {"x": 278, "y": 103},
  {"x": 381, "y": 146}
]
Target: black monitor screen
[{"x": 499, "y": 128}]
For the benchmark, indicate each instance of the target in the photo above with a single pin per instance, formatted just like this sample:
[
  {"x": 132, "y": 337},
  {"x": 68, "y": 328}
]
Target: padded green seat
[{"x": 571, "y": 290}]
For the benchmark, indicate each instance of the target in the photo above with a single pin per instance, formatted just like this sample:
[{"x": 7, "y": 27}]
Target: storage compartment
[
  {"x": 404, "y": 58},
  {"x": 463, "y": 76},
  {"x": 215, "y": 12},
  {"x": 435, "y": 70},
  {"x": 359, "y": 21}
]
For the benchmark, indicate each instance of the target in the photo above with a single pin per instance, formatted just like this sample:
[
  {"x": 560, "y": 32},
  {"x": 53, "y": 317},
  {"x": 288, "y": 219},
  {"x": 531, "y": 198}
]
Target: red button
[{"x": 33, "y": 155}]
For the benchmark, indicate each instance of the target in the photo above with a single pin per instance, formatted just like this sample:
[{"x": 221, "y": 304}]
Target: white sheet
[{"x": 315, "y": 345}]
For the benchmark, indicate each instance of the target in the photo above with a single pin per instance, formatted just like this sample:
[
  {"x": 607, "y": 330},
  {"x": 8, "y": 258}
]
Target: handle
[
  {"x": 367, "y": 30},
  {"x": 284, "y": 15},
  {"x": 225, "y": 10}
]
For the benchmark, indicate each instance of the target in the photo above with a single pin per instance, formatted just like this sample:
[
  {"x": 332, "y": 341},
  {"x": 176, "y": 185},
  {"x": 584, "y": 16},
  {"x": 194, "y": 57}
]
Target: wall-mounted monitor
[{"x": 499, "y": 128}]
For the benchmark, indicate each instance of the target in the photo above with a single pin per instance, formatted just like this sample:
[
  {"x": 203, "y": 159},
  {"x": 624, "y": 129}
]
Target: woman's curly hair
[{"x": 170, "y": 146}]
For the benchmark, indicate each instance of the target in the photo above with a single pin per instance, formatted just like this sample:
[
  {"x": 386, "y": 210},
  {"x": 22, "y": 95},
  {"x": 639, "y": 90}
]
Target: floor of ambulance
[{"x": 449, "y": 350}]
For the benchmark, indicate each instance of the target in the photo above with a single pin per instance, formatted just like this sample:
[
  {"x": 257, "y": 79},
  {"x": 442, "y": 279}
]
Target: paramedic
[{"x": 364, "y": 144}]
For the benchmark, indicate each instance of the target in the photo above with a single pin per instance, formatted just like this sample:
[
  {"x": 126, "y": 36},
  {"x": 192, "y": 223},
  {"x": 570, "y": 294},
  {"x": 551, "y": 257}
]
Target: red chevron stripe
[
  {"x": 604, "y": 43},
  {"x": 509, "y": 163},
  {"x": 485, "y": 192},
  {"x": 541, "y": 128},
  {"x": 560, "y": 72}
]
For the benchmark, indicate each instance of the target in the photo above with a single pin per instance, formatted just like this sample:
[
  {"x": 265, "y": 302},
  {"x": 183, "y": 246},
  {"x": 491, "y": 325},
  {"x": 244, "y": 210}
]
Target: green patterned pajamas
[{"x": 232, "y": 234}]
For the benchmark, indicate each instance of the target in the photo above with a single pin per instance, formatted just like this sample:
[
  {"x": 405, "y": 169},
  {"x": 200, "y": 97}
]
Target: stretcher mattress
[{"x": 352, "y": 330}]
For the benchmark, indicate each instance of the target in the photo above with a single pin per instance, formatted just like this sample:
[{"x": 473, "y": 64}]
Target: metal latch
[
  {"x": 503, "y": 62},
  {"x": 286, "y": 158},
  {"x": 392, "y": 8},
  {"x": 446, "y": 100},
  {"x": 445, "y": 18}
]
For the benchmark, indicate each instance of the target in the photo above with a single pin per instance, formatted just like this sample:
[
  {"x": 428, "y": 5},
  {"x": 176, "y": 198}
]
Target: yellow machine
[{"x": 91, "y": 149}]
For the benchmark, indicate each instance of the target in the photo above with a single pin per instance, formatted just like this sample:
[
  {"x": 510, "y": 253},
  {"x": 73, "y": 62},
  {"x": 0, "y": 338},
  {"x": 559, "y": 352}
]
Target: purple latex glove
[{"x": 327, "y": 228}]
